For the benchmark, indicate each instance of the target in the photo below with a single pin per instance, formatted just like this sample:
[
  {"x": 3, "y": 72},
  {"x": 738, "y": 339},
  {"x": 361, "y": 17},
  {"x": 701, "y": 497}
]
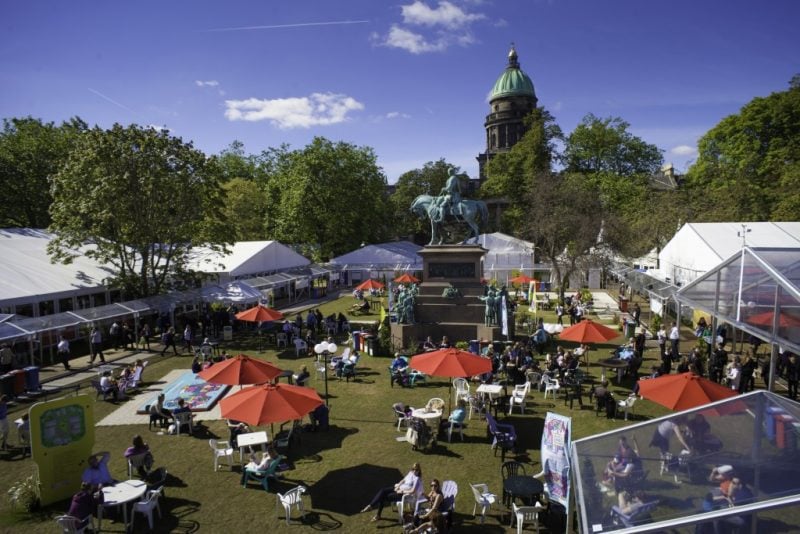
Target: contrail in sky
[
  {"x": 298, "y": 25},
  {"x": 104, "y": 97}
]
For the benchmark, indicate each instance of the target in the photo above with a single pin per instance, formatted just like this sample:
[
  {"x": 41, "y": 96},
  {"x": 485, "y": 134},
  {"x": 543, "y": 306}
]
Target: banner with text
[{"x": 555, "y": 456}]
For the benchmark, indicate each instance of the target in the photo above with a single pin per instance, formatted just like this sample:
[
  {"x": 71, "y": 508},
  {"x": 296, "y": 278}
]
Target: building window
[{"x": 65, "y": 305}]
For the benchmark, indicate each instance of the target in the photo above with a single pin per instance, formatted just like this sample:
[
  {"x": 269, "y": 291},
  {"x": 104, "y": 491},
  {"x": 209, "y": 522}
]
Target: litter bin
[
  {"x": 32, "y": 378},
  {"x": 630, "y": 329},
  {"x": 772, "y": 413},
  {"x": 357, "y": 340},
  {"x": 19, "y": 381},
  {"x": 227, "y": 333},
  {"x": 7, "y": 385},
  {"x": 783, "y": 426},
  {"x": 369, "y": 342},
  {"x": 474, "y": 346},
  {"x": 623, "y": 304}
]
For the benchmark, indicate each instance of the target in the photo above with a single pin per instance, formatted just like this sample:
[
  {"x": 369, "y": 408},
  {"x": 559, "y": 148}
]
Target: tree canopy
[
  {"x": 138, "y": 200},
  {"x": 331, "y": 196},
  {"x": 748, "y": 165},
  {"x": 31, "y": 152}
]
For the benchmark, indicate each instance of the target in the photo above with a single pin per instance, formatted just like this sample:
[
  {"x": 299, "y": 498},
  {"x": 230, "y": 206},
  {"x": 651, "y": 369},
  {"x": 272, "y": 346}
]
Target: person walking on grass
[{"x": 168, "y": 340}]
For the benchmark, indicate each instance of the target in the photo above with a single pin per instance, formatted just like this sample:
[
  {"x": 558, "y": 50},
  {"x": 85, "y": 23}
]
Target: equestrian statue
[{"x": 449, "y": 208}]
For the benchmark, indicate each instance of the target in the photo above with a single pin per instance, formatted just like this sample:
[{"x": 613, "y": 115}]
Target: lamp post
[{"x": 324, "y": 349}]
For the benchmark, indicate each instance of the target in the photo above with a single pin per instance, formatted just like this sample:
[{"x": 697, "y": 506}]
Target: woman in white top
[{"x": 410, "y": 485}]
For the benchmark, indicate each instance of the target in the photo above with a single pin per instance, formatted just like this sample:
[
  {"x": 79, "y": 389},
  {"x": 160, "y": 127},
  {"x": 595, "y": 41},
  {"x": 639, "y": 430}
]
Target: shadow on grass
[
  {"x": 360, "y": 483},
  {"x": 312, "y": 443},
  {"x": 176, "y": 515},
  {"x": 320, "y": 521}
]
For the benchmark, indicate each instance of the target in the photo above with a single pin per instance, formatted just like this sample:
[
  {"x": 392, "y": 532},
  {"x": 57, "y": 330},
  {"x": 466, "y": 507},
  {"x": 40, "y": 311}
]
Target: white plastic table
[
  {"x": 251, "y": 439},
  {"x": 431, "y": 418},
  {"x": 493, "y": 390},
  {"x": 121, "y": 493}
]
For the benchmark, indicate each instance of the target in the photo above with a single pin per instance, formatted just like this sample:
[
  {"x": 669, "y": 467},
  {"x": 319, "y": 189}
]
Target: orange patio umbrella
[
  {"x": 588, "y": 332},
  {"x": 407, "y": 279},
  {"x": 239, "y": 370},
  {"x": 765, "y": 319},
  {"x": 452, "y": 363},
  {"x": 683, "y": 391},
  {"x": 369, "y": 284},
  {"x": 259, "y": 314},
  {"x": 522, "y": 279},
  {"x": 270, "y": 403}
]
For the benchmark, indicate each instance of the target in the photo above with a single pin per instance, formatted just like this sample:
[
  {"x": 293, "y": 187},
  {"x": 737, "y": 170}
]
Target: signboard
[
  {"x": 62, "y": 438},
  {"x": 555, "y": 456}
]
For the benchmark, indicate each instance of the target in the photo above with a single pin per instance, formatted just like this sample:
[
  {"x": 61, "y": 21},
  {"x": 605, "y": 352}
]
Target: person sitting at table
[
  {"x": 602, "y": 395},
  {"x": 428, "y": 345},
  {"x": 158, "y": 412},
  {"x": 235, "y": 428},
  {"x": 458, "y": 414},
  {"x": 683, "y": 366},
  {"x": 411, "y": 484},
  {"x": 182, "y": 408},
  {"x": 614, "y": 466},
  {"x": 301, "y": 378},
  {"x": 431, "y": 517},
  {"x": 445, "y": 344},
  {"x": 97, "y": 471},
  {"x": 630, "y": 502},
  {"x": 84, "y": 504},
  {"x": 140, "y": 447},
  {"x": 109, "y": 385},
  {"x": 737, "y": 493},
  {"x": 196, "y": 365}
]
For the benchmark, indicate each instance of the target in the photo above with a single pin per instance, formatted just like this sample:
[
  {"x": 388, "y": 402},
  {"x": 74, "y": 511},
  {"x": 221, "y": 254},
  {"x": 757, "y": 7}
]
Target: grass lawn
[{"x": 342, "y": 467}]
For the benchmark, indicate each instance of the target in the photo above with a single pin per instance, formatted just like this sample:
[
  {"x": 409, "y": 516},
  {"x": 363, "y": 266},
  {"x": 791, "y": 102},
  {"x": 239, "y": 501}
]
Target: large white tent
[
  {"x": 380, "y": 259},
  {"x": 247, "y": 259}
]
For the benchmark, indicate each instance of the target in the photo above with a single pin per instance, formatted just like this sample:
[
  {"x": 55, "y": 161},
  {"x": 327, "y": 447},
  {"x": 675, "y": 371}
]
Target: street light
[{"x": 324, "y": 349}]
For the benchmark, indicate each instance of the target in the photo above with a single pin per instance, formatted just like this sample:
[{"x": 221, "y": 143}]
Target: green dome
[{"x": 513, "y": 82}]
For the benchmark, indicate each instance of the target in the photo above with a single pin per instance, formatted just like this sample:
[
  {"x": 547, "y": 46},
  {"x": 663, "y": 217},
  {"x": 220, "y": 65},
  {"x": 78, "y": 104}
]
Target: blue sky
[{"x": 409, "y": 79}]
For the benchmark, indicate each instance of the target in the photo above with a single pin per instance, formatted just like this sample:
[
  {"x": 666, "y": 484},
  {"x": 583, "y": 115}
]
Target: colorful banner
[
  {"x": 555, "y": 456},
  {"x": 532, "y": 297},
  {"x": 504, "y": 314}
]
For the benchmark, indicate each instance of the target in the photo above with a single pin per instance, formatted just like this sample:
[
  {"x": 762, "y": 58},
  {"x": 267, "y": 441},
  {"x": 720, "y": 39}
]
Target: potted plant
[{"x": 24, "y": 494}]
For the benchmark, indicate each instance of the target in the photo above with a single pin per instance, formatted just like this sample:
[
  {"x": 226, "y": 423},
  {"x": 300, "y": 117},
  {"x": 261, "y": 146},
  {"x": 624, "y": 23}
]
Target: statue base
[{"x": 461, "y": 318}]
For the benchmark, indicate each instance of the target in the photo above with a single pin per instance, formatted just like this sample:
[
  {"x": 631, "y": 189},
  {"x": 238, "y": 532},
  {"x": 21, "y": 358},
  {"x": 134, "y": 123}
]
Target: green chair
[{"x": 262, "y": 476}]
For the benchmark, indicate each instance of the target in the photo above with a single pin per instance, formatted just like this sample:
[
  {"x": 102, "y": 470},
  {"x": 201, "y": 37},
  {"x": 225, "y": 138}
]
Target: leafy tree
[
  {"x": 599, "y": 146},
  {"x": 428, "y": 180},
  {"x": 30, "y": 154},
  {"x": 138, "y": 200},
  {"x": 332, "y": 195},
  {"x": 746, "y": 159},
  {"x": 233, "y": 162},
  {"x": 512, "y": 175},
  {"x": 245, "y": 209}
]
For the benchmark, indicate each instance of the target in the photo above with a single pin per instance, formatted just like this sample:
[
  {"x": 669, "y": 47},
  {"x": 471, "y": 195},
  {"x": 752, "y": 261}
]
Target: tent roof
[
  {"x": 748, "y": 289},
  {"x": 236, "y": 291},
  {"x": 395, "y": 255},
  {"x": 746, "y": 429},
  {"x": 26, "y": 269},
  {"x": 722, "y": 239},
  {"x": 247, "y": 258},
  {"x": 498, "y": 243}
]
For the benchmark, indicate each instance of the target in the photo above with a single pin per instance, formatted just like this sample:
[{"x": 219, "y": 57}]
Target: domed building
[{"x": 511, "y": 100}]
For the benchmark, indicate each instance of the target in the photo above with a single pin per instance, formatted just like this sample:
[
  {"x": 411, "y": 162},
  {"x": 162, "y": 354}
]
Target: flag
[{"x": 532, "y": 296}]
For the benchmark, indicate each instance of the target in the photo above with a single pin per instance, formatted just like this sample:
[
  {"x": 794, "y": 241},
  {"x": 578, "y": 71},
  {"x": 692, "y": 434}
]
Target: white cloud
[
  {"x": 397, "y": 115},
  {"x": 683, "y": 150},
  {"x": 207, "y": 83},
  {"x": 413, "y": 42},
  {"x": 446, "y": 14},
  {"x": 318, "y": 109}
]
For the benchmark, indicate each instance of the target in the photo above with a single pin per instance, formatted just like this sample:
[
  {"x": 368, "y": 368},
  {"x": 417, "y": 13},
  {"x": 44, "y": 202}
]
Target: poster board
[{"x": 556, "y": 438}]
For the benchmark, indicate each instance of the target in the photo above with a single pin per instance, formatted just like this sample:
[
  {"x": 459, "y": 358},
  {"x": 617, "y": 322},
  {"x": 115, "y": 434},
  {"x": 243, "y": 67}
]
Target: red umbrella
[
  {"x": 270, "y": 403},
  {"x": 406, "y": 279},
  {"x": 522, "y": 279},
  {"x": 452, "y": 363},
  {"x": 765, "y": 319},
  {"x": 683, "y": 391},
  {"x": 241, "y": 369},
  {"x": 588, "y": 332},
  {"x": 259, "y": 314},
  {"x": 369, "y": 284}
]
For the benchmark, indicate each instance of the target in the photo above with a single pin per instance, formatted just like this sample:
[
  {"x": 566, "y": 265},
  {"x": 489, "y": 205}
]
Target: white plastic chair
[
  {"x": 69, "y": 524},
  {"x": 282, "y": 339},
  {"x": 627, "y": 404},
  {"x": 181, "y": 419},
  {"x": 482, "y": 498},
  {"x": 435, "y": 404},
  {"x": 146, "y": 506},
  {"x": 519, "y": 397},
  {"x": 402, "y": 418},
  {"x": 300, "y": 347},
  {"x": 293, "y": 497},
  {"x": 550, "y": 384},
  {"x": 320, "y": 367},
  {"x": 455, "y": 426},
  {"x": 525, "y": 514},
  {"x": 221, "y": 449},
  {"x": 135, "y": 462},
  {"x": 462, "y": 389},
  {"x": 407, "y": 502}
]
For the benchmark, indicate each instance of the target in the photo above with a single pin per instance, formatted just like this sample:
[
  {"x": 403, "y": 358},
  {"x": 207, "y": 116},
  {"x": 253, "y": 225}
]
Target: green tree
[
  {"x": 233, "y": 162},
  {"x": 428, "y": 180},
  {"x": 512, "y": 175},
  {"x": 332, "y": 195},
  {"x": 245, "y": 209},
  {"x": 30, "y": 154},
  {"x": 605, "y": 146},
  {"x": 138, "y": 200},
  {"x": 746, "y": 159}
]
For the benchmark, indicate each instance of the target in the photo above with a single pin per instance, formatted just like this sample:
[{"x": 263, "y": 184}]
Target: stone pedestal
[{"x": 461, "y": 318}]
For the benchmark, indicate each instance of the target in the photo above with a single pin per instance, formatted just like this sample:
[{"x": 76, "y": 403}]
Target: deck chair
[
  {"x": 71, "y": 525},
  {"x": 634, "y": 518},
  {"x": 415, "y": 376},
  {"x": 293, "y": 497},
  {"x": 146, "y": 507},
  {"x": 262, "y": 476},
  {"x": 483, "y": 498}
]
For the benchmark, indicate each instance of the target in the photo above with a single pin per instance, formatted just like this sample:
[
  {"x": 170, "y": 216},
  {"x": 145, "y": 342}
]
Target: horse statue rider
[{"x": 449, "y": 199}]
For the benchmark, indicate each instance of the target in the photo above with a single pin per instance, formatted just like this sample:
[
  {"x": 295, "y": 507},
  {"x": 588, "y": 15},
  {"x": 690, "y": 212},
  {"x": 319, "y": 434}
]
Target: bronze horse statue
[{"x": 441, "y": 215}]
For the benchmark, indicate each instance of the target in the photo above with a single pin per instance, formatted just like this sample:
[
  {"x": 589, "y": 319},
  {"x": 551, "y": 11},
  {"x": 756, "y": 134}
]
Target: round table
[
  {"x": 523, "y": 486},
  {"x": 613, "y": 363},
  {"x": 121, "y": 493},
  {"x": 431, "y": 418}
]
